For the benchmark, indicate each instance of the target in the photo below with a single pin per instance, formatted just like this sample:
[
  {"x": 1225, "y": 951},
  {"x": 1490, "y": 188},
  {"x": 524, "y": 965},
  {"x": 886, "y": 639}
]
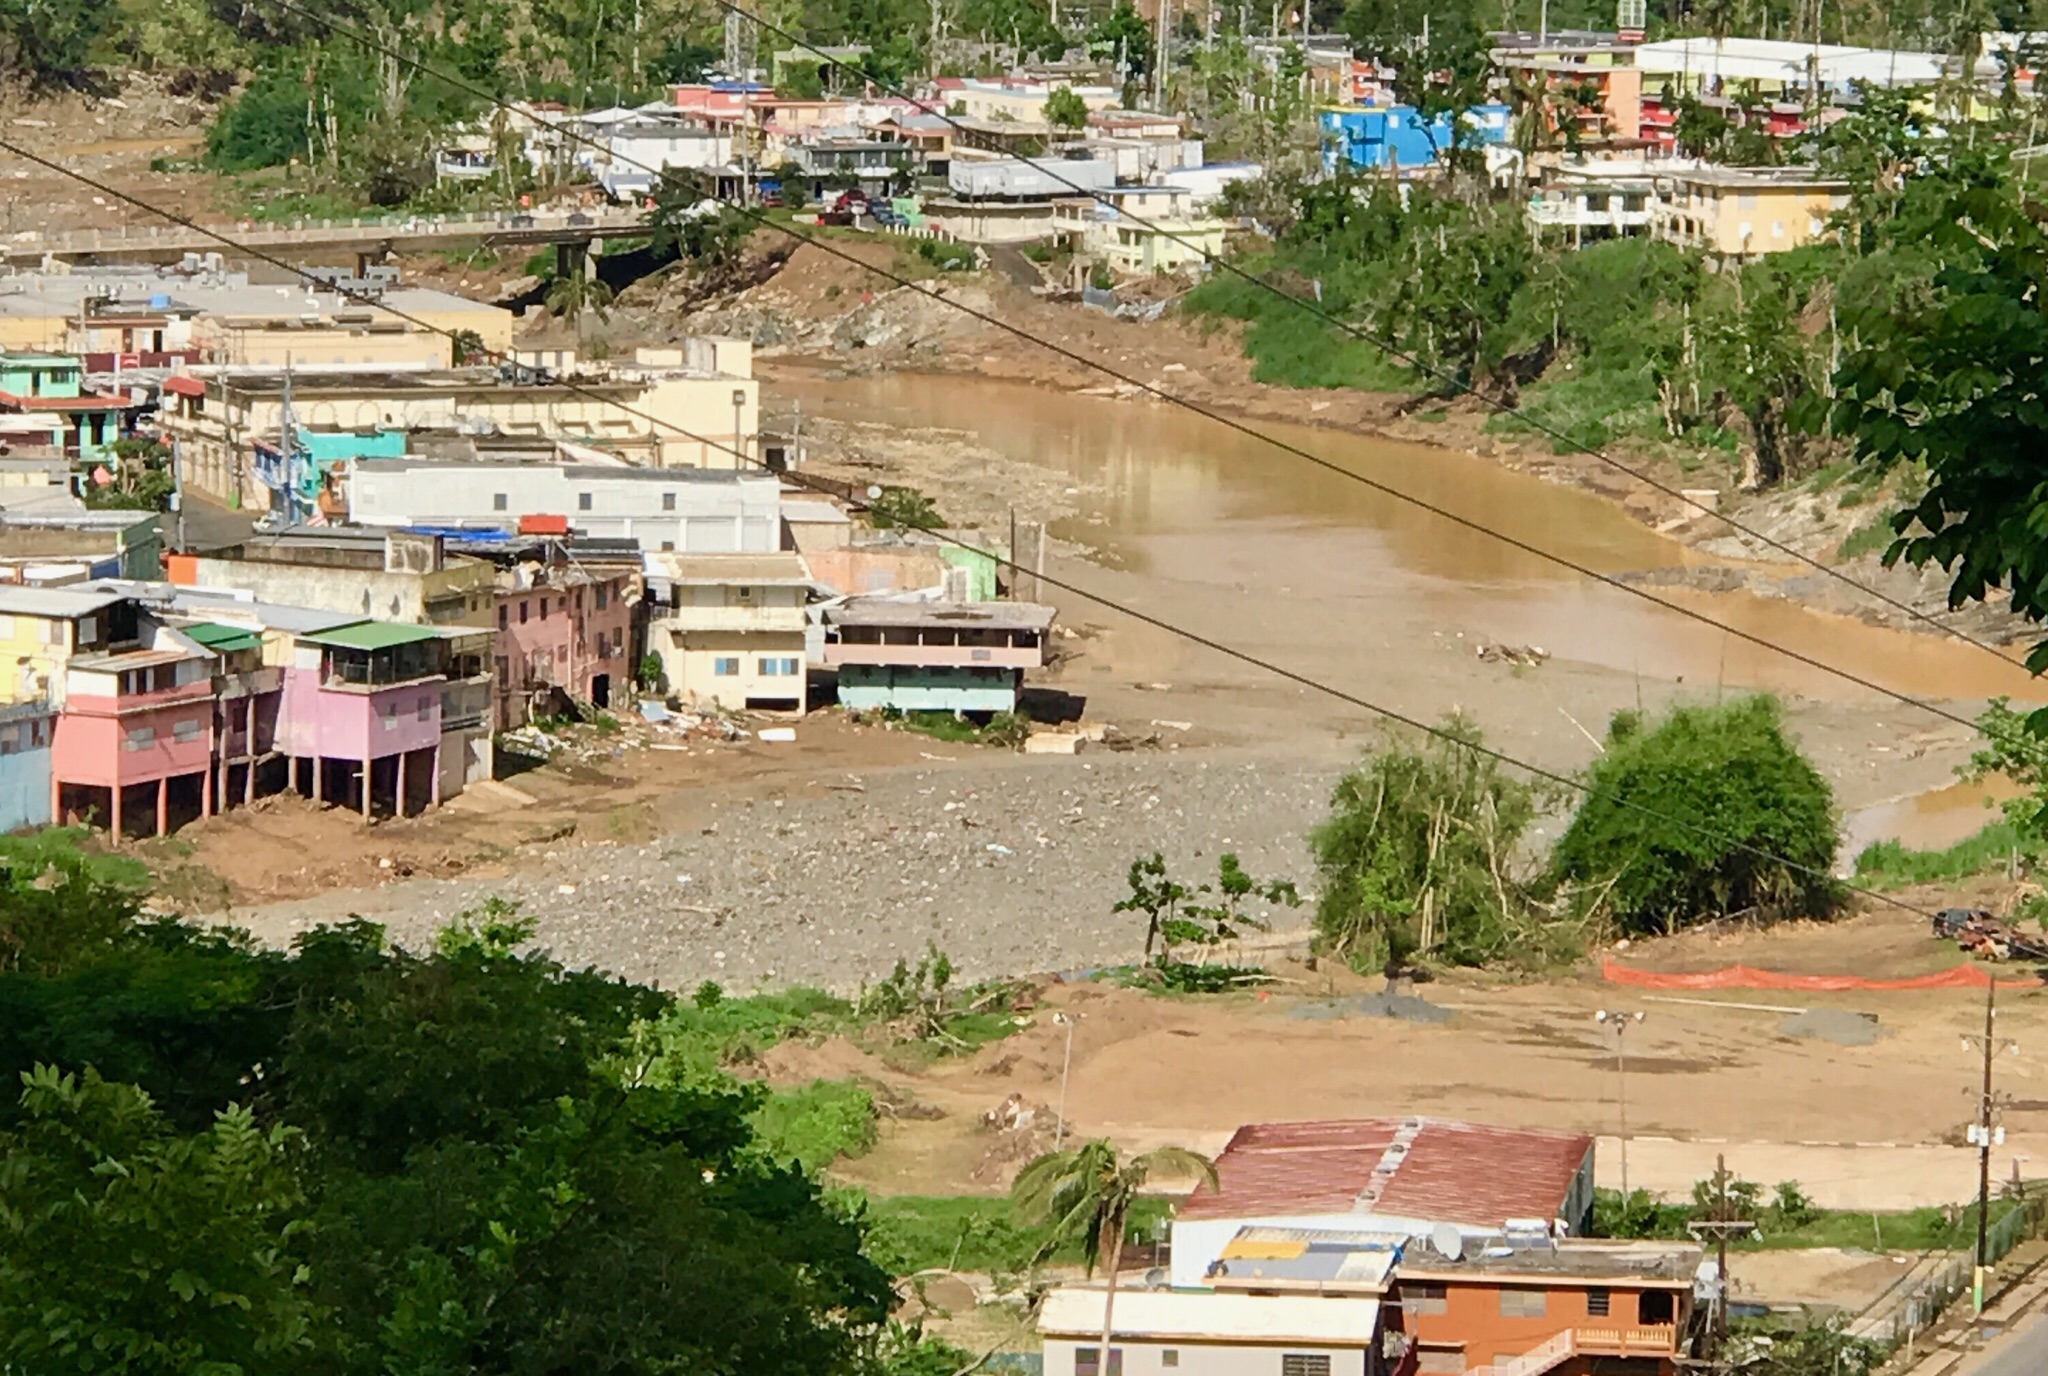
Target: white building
[
  {"x": 1211, "y": 1333},
  {"x": 674, "y": 509},
  {"x": 729, "y": 628}
]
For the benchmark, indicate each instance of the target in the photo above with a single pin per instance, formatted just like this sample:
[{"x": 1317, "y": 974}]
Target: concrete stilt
[
  {"x": 163, "y": 806},
  {"x": 398, "y": 795},
  {"x": 434, "y": 779},
  {"x": 206, "y": 790},
  {"x": 249, "y": 750},
  {"x": 319, "y": 777},
  {"x": 367, "y": 776},
  {"x": 291, "y": 772},
  {"x": 114, "y": 834},
  {"x": 56, "y": 801}
]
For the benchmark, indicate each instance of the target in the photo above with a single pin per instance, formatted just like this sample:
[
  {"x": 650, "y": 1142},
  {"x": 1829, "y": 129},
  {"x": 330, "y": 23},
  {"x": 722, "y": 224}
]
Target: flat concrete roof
[{"x": 1018, "y": 616}]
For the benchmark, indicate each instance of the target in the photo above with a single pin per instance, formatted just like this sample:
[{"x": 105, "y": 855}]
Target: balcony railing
[
  {"x": 1653, "y": 1340},
  {"x": 730, "y": 619}
]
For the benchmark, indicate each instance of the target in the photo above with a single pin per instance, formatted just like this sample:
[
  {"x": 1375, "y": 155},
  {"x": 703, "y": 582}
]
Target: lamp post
[
  {"x": 1059, "y": 1130},
  {"x": 739, "y": 435},
  {"x": 1621, "y": 1022}
]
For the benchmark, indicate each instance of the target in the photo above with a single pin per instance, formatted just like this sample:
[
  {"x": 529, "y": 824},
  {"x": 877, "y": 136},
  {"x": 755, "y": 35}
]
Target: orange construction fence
[{"x": 1749, "y": 977}]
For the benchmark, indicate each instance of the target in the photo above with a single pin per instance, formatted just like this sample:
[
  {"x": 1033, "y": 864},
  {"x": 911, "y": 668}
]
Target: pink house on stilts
[
  {"x": 136, "y": 721},
  {"x": 360, "y": 719}
]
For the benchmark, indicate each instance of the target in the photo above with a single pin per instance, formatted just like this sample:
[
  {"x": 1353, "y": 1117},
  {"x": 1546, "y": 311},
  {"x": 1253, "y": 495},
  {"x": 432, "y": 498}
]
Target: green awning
[
  {"x": 223, "y": 639},
  {"x": 371, "y": 635}
]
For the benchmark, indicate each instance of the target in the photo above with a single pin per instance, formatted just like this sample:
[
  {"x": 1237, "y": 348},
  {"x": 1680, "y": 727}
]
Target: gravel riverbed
[{"x": 1010, "y": 867}]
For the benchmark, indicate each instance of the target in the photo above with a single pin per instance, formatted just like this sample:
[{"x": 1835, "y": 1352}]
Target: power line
[
  {"x": 1193, "y": 637},
  {"x": 1161, "y": 394},
  {"x": 1412, "y": 360}
]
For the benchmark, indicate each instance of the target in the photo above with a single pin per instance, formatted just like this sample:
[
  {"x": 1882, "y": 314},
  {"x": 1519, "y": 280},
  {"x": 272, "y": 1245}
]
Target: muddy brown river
[{"x": 1184, "y": 500}]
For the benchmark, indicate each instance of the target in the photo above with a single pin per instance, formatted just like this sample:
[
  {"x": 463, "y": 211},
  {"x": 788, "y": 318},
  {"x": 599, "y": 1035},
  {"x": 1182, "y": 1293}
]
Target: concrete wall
[
  {"x": 1197, "y": 1358},
  {"x": 698, "y": 516},
  {"x": 690, "y": 665},
  {"x": 353, "y": 725},
  {"x": 859, "y": 569},
  {"x": 25, "y": 737},
  {"x": 457, "y": 595},
  {"x": 922, "y": 689}
]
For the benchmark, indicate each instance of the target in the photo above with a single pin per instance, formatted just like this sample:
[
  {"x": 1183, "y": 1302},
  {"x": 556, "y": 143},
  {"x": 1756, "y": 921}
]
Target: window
[
  {"x": 668, "y": 501},
  {"x": 1304, "y": 1364},
  {"x": 778, "y": 668},
  {"x": 1746, "y": 201},
  {"x": 1599, "y": 1303},
  {"x": 1088, "y": 1361},
  {"x": 726, "y": 666},
  {"x": 425, "y": 709},
  {"x": 668, "y": 547},
  {"x": 390, "y": 715},
  {"x": 10, "y": 741},
  {"x": 583, "y": 501},
  {"x": 187, "y": 730},
  {"x": 618, "y": 640},
  {"x": 504, "y": 616},
  {"x": 603, "y": 596},
  {"x": 499, "y": 502},
  {"x": 1522, "y": 1304},
  {"x": 522, "y": 611},
  {"x": 746, "y": 594},
  {"x": 1438, "y": 1361},
  {"x": 1654, "y": 1307},
  {"x": 543, "y": 607},
  {"x": 1169, "y": 1356},
  {"x": 503, "y": 666},
  {"x": 1421, "y": 1297},
  {"x": 140, "y": 738}
]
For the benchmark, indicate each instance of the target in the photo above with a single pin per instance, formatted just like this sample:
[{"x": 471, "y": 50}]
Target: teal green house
[{"x": 51, "y": 387}]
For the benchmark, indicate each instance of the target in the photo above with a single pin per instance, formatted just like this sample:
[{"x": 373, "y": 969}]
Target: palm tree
[
  {"x": 1086, "y": 1194},
  {"x": 576, "y": 297}
]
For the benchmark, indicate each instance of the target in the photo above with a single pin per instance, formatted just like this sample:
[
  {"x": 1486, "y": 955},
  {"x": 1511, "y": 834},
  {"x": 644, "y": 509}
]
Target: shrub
[
  {"x": 1418, "y": 856},
  {"x": 816, "y": 1124},
  {"x": 1710, "y": 813}
]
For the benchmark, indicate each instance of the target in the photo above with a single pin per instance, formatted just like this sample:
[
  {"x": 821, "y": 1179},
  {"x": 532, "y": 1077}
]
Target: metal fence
[{"x": 1925, "y": 1300}]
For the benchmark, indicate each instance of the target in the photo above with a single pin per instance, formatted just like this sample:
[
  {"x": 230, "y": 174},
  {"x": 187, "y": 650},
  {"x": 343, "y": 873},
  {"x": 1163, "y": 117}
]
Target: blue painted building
[
  {"x": 26, "y": 732},
  {"x": 1396, "y": 136}
]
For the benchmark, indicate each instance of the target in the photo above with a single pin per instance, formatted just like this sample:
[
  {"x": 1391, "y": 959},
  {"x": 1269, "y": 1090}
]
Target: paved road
[{"x": 2023, "y": 1353}]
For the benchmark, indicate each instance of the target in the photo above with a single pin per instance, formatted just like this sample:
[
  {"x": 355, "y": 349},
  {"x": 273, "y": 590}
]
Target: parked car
[
  {"x": 579, "y": 219},
  {"x": 883, "y": 213}
]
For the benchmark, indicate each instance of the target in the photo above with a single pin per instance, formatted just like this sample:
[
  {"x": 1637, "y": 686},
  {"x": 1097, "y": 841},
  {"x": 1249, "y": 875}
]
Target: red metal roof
[
  {"x": 185, "y": 385},
  {"x": 1430, "y": 1169}
]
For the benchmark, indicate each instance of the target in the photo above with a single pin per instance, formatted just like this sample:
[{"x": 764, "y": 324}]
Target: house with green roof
[{"x": 361, "y": 715}]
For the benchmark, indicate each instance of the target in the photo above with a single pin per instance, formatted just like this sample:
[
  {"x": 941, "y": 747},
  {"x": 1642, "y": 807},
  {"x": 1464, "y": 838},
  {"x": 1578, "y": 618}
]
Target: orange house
[{"x": 1534, "y": 1306}]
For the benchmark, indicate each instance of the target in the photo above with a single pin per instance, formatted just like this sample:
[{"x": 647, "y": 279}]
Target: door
[{"x": 601, "y": 690}]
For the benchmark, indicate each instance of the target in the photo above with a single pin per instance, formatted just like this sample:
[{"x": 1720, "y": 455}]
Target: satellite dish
[
  {"x": 874, "y": 491},
  {"x": 1448, "y": 1241}
]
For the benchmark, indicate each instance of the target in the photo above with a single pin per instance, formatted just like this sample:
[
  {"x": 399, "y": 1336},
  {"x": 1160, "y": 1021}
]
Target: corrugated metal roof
[
  {"x": 223, "y": 639},
  {"x": 744, "y": 569},
  {"x": 54, "y": 602},
  {"x": 1428, "y": 1169},
  {"x": 372, "y": 635}
]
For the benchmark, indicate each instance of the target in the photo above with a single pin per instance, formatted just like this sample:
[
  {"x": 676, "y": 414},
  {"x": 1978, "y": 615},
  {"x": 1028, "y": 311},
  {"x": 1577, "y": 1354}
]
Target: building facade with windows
[
  {"x": 561, "y": 630},
  {"x": 1745, "y": 212},
  {"x": 729, "y": 630},
  {"x": 914, "y": 655},
  {"x": 1201, "y": 1333}
]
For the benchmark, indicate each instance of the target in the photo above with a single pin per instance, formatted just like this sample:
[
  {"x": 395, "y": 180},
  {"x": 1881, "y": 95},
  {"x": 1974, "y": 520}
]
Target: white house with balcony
[
  {"x": 729, "y": 628},
  {"x": 1602, "y": 198}
]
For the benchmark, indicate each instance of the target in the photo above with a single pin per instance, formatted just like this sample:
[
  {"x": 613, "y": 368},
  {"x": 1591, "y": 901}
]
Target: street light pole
[
  {"x": 1059, "y": 1130},
  {"x": 1621, "y": 1022},
  {"x": 739, "y": 440}
]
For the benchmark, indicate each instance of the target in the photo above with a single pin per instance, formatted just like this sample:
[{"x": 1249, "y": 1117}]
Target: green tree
[
  {"x": 1419, "y": 855},
  {"x": 1064, "y": 109},
  {"x": 1943, "y": 375},
  {"x": 48, "y": 43},
  {"x": 1085, "y": 1195},
  {"x": 709, "y": 237},
  {"x": 1124, "y": 38},
  {"x": 903, "y": 508},
  {"x": 1709, "y": 813},
  {"x": 1206, "y": 915},
  {"x": 125, "y": 1246}
]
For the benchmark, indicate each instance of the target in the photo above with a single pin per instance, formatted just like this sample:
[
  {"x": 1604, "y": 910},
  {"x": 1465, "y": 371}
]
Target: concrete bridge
[{"x": 369, "y": 238}]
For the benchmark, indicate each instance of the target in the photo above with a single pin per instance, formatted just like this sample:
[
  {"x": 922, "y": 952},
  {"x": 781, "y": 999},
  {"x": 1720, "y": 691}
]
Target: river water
[{"x": 1186, "y": 500}]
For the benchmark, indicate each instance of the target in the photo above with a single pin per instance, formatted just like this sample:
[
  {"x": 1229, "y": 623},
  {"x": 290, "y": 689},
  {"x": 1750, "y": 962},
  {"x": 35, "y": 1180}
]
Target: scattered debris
[
  {"x": 1841, "y": 1026},
  {"x": 1406, "y": 1007},
  {"x": 1054, "y": 743},
  {"x": 1986, "y": 937},
  {"x": 776, "y": 735},
  {"x": 1011, "y": 1115},
  {"x": 1529, "y": 656}
]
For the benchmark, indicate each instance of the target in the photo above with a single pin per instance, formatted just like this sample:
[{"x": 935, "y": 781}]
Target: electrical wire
[
  {"x": 1184, "y": 633},
  {"x": 1153, "y": 390}
]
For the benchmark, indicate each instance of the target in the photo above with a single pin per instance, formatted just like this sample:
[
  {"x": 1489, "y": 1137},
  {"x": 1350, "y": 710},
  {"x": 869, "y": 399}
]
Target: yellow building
[
  {"x": 729, "y": 628},
  {"x": 223, "y": 318},
  {"x": 1744, "y": 212},
  {"x": 693, "y": 407},
  {"x": 41, "y": 629}
]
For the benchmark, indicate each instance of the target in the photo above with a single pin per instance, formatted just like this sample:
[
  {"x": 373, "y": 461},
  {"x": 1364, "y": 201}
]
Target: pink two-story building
[
  {"x": 361, "y": 715},
  {"x": 136, "y": 719},
  {"x": 561, "y": 629}
]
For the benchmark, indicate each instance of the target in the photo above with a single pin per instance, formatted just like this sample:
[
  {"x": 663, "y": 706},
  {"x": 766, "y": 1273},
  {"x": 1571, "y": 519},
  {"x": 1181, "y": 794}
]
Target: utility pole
[
  {"x": 1984, "y": 1134},
  {"x": 1059, "y": 1130},
  {"x": 1721, "y": 1227}
]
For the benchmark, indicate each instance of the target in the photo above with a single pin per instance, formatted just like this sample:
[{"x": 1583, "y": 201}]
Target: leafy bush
[
  {"x": 1639, "y": 1214},
  {"x": 1176, "y": 915},
  {"x": 903, "y": 508},
  {"x": 945, "y": 255},
  {"x": 1419, "y": 856},
  {"x": 816, "y": 1124},
  {"x": 1710, "y": 813}
]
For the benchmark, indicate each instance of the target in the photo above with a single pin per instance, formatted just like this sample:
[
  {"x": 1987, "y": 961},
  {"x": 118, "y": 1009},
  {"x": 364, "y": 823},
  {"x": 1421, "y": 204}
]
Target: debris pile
[
  {"x": 1986, "y": 937},
  {"x": 1529, "y": 656}
]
